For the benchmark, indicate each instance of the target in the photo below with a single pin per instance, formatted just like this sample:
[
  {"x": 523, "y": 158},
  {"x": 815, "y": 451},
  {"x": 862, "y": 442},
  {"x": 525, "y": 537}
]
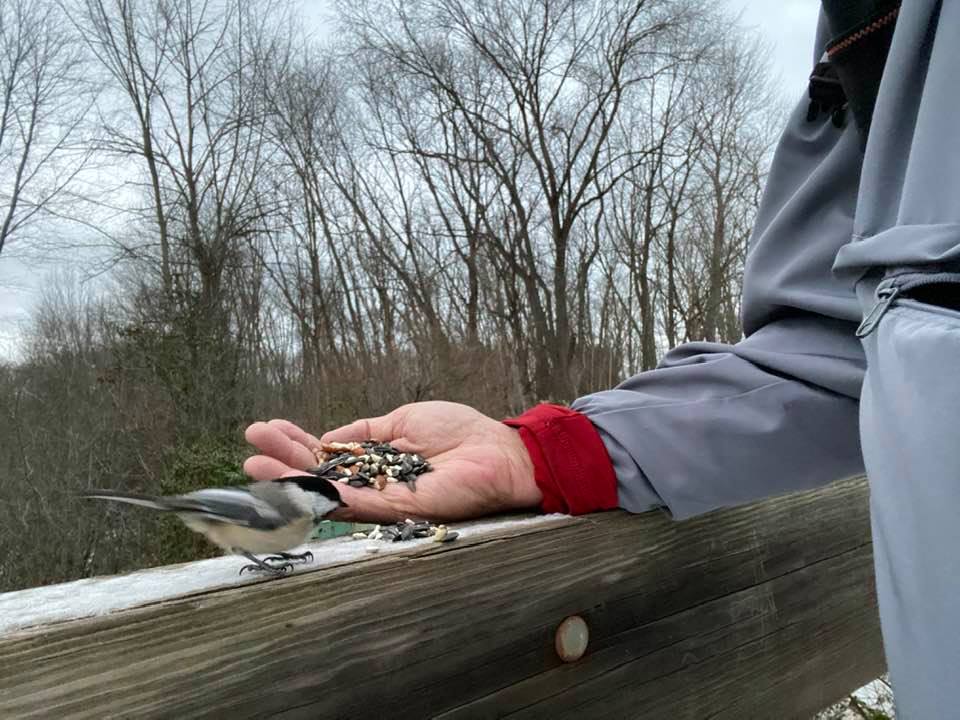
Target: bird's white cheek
[{"x": 323, "y": 507}]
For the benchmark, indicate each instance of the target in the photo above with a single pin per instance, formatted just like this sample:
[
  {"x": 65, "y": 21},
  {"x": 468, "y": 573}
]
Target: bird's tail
[{"x": 125, "y": 497}]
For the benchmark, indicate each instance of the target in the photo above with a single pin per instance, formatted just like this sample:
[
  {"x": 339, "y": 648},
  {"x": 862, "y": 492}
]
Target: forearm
[{"x": 718, "y": 425}]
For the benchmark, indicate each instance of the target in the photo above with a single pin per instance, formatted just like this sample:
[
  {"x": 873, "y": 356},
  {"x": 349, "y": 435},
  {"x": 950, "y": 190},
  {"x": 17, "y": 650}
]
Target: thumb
[{"x": 378, "y": 428}]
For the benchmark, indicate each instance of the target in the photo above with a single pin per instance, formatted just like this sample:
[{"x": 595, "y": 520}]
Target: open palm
[{"x": 480, "y": 466}]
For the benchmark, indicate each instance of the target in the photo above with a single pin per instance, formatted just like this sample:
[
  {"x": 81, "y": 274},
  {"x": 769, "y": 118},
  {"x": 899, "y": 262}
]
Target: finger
[
  {"x": 378, "y": 428},
  {"x": 296, "y": 433},
  {"x": 273, "y": 442},
  {"x": 261, "y": 467}
]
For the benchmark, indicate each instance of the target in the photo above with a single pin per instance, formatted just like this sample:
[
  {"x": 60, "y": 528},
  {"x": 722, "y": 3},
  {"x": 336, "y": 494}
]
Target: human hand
[{"x": 480, "y": 466}]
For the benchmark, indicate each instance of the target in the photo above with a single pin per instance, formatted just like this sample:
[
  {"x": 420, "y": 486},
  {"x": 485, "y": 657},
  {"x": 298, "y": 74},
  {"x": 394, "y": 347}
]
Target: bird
[{"x": 264, "y": 517}]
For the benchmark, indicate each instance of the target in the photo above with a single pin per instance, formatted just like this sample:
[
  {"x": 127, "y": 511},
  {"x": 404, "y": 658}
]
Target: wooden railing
[{"x": 765, "y": 611}]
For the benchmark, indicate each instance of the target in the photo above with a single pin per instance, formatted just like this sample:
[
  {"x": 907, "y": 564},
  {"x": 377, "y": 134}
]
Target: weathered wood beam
[{"x": 761, "y": 611}]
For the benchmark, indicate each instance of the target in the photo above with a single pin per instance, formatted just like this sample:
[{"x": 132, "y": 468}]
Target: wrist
[
  {"x": 570, "y": 462},
  {"x": 525, "y": 492}
]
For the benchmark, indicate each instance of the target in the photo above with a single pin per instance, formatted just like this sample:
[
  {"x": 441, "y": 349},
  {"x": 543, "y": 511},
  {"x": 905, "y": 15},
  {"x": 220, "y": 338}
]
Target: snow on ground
[
  {"x": 102, "y": 595},
  {"x": 877, "y": 696}
]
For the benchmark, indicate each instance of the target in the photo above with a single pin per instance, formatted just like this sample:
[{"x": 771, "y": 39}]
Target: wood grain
[{"x": 762, "y": 611}]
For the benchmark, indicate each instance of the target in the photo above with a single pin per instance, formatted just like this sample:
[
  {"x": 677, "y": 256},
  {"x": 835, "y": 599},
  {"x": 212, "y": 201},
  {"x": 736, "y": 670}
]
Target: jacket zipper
[{"x": 891, "y": 288}]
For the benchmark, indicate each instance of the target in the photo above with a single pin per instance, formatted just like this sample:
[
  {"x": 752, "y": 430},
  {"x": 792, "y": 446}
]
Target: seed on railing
[{"x": 408, "y": 530}]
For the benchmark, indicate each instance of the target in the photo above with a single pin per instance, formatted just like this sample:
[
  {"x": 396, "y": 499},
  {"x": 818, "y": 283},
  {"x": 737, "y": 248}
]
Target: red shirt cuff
[{"x": 570, "y": 461}]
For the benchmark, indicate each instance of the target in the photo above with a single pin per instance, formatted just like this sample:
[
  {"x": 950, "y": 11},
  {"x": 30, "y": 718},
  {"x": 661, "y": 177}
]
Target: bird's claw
[{"x": 280, "y": 569}]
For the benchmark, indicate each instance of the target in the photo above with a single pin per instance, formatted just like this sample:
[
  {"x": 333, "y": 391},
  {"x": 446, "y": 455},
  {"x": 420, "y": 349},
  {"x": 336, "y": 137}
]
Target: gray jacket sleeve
[{"x": 716, "y": 425}]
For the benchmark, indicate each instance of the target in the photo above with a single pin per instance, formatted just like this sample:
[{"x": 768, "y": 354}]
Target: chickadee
[{"x": 269, "y": 516}]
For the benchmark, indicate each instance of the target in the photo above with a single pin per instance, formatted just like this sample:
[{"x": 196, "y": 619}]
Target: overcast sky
[{"x": 788, "y": 26}]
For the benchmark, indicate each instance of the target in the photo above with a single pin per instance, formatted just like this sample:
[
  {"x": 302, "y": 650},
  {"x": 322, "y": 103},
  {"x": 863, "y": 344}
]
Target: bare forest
[{"x": 496, "y": 203}]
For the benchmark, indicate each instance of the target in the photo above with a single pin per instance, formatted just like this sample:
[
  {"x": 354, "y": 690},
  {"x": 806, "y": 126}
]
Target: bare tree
[
  {"x": 733, "y": 127},
  {"x": 644, "y": 209},
  {"x": 539, "y": 89},
  {"x": 190, "y": 74},
  {"x": 302, "y": 257},
  {"x": 44, "y": 96}
]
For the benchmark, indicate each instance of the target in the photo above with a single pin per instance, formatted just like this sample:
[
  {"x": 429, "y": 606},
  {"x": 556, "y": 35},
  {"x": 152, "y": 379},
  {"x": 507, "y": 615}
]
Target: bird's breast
[{"x": 238, "y": 537}]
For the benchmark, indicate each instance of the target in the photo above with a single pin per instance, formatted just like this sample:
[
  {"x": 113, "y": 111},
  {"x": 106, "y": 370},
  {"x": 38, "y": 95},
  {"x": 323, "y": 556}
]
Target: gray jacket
[{"x": 717, "y": 425}]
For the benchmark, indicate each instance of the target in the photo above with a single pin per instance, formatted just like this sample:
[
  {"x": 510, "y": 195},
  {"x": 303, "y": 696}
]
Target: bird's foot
[
  {"x": 257, "y": 565},
  {"x": 269, "y": 569}
]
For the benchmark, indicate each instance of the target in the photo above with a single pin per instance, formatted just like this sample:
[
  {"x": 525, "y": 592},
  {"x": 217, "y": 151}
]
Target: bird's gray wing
[{"x": 233, "y": 505}]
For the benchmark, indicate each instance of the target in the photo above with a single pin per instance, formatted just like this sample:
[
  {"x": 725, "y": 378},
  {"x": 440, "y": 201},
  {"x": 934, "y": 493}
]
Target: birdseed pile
[
  {"x": 408, "y": 530},
  {"x": 376, "y": 464},
  {"x": 368, "y": 464}
]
